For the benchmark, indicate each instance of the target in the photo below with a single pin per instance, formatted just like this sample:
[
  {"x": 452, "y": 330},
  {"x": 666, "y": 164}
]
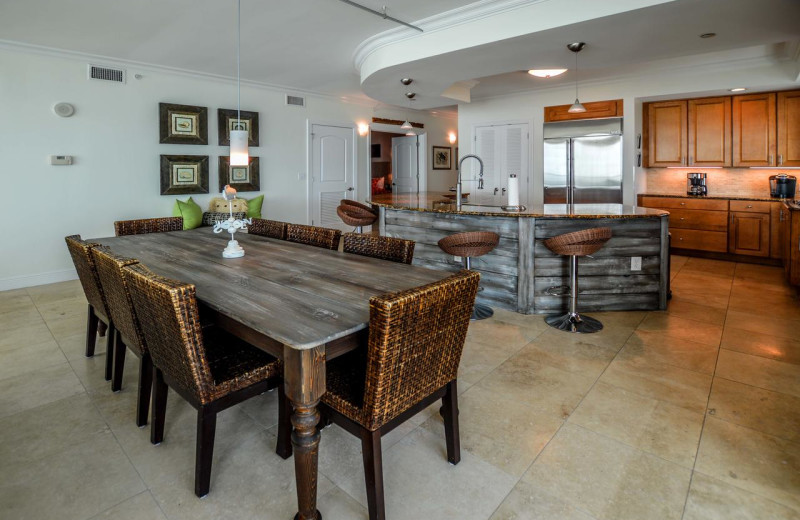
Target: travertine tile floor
[{"x": 691, "y": 413}]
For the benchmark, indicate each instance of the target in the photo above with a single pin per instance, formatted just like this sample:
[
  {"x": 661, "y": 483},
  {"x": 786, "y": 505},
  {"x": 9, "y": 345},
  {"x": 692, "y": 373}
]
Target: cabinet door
[
  {"x": 754, "y": 129},
  {"x": 789, "y": 128},
  {"x": 749, "y": 234},
  {"x": 710, "y": 131},
  {"x": 777, "y": 214},
  {"x": 666, "y": 133}
]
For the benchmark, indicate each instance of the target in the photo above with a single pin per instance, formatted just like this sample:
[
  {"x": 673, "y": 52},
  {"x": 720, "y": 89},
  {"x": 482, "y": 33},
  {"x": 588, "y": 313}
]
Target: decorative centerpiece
[{"x": 234, "y": 250}]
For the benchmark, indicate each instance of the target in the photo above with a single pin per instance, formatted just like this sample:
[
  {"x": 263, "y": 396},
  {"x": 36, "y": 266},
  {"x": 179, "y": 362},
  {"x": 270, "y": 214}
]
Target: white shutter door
[
  {"x": 486, "y": 149},
  {"x": 515, "y": 160}
]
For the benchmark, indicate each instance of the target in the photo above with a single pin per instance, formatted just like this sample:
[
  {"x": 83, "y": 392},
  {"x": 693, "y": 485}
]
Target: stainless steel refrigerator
[{"x": 583, "y": 162}]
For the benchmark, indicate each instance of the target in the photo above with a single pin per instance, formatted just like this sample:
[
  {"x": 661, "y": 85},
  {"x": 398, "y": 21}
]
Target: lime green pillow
[
  {"x": 192, "y": 213},
  {"x": 254, "y": 207}
]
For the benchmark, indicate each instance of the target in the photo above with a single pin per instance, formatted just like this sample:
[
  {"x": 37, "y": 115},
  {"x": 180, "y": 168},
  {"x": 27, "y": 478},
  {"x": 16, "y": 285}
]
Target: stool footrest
[{"x": 558, "y": 290}]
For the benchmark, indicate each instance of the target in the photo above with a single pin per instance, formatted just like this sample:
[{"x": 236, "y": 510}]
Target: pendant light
[
  {"x": 410, "y": 95},
  {"x": 239, "y": 154},
  {"x": 576, "y": 107}
]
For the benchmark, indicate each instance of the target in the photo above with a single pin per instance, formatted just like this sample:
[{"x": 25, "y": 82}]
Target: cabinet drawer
[
  {"x": 700, "y": 240},
  {"x": 698, "y": 219},
  {"x": 685, "y": 203},
  {"x": 751, "y": 206}
]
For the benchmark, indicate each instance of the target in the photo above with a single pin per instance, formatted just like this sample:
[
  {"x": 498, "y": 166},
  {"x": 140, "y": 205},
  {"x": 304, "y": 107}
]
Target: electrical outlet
[{"x": 636, "y": 263}]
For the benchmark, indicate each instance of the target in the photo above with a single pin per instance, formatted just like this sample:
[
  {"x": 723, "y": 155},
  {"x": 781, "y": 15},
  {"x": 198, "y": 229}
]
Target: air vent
[
  {"x": 106, "y": 73},
  {"x": 296, "y": 101}
]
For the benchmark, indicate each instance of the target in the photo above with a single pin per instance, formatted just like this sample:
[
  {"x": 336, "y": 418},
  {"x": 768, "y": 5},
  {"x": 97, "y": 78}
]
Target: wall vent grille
[
  {"x": 102, "y": 73},
  {"x": 295, "y": 101}
]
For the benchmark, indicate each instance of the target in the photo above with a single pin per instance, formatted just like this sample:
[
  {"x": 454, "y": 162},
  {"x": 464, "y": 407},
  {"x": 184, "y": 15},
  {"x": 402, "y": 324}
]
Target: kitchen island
[{"x": 521, "y": 274}]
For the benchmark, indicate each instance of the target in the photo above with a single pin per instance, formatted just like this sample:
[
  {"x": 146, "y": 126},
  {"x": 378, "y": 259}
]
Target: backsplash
[{"x": 722, "y": 182}]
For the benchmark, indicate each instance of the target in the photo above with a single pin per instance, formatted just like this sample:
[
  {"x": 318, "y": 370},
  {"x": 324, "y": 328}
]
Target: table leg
[{"x": 304, "y": 384}]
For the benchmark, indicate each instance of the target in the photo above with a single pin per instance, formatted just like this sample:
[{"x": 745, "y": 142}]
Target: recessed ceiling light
[
  {"x": 708, "y": 35},
  {"x": 546, "y": 73},
  {"x": 737, "y": 89}
]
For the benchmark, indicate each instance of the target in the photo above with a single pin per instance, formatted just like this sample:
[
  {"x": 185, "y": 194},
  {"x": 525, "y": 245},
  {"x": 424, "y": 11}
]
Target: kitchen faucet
[{"x": 458, "y": 185}]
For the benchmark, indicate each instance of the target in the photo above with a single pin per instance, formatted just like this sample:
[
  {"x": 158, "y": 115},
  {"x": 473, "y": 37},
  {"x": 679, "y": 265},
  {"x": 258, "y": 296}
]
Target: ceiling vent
[
  {"x": 295, "y": 101},
  {"x": 104, "y": 73}
]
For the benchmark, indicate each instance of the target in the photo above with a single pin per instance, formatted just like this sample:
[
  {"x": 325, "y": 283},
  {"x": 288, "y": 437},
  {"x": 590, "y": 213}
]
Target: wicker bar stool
[
  {"x": 356, "y": 214},
  {"x": 468, "y": 246},
  {"x": 575, "y": 244}
]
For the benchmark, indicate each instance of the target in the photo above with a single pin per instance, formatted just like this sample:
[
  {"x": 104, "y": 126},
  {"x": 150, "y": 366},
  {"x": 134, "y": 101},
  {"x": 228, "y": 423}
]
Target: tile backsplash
[{"x": 722, "y": 182}]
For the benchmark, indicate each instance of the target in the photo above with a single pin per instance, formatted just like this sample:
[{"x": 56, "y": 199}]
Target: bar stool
[
  {"x": 470, "y": 245},
  {"x": 579, "y": 243},
  {"x": 356, "y": 214}
]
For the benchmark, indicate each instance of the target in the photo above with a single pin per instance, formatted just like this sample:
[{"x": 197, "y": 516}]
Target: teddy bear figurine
[{"x": 220, "y": 205}]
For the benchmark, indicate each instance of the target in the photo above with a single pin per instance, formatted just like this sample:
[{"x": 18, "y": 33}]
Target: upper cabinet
[
  {"x": 709, "y": 136},
  {"x": 789, "y": 128},
  {"x": 754, "y": 130},
  {"x": 665, "y": 133}
]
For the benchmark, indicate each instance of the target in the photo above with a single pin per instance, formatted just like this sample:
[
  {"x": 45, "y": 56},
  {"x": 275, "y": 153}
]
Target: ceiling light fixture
[
  {"x": 737, "y": 89},
  {"x": 239, "y": 154},
  {"x": 546, "y": 73},
  {"x": 577, "y": 107},
  {"x": 410, "y": 95}
]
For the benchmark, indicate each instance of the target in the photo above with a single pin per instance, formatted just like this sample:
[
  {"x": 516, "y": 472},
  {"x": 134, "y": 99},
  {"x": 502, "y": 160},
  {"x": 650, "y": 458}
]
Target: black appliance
[
  {"x": 782, "y": 186},
  {"x": 696, "y": 184}
]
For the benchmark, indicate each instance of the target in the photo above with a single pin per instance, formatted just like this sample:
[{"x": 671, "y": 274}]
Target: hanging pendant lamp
[
  {"x": 239, "y": 154},
  {"x": 410, "y": 95},
  {"x": 577, "y": 107}
]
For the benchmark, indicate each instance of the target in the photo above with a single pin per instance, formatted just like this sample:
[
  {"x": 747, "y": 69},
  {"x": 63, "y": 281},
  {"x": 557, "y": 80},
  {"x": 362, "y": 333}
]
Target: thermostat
[{"x": 61, "y": 160}]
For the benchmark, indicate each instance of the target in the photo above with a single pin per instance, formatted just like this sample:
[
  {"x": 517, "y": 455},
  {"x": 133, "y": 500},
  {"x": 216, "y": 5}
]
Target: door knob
[{"x": 350, "y": 188}]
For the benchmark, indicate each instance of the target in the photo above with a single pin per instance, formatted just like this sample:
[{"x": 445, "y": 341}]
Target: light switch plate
[
  {"x": 636, "y": 263},
  {"x": 61, "y": 160}
]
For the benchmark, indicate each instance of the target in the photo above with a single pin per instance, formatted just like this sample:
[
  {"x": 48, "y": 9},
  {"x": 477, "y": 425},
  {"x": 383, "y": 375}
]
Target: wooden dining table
[{"x": 299, "y": 303}]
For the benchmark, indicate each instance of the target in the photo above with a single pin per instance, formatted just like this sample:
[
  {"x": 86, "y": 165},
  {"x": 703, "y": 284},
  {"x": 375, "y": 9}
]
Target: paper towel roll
[{"x": 513, "y": 190}]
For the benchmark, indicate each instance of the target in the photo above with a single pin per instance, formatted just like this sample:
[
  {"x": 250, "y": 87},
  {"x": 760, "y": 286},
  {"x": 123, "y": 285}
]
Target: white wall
[
  {"x": 672, "y": 82},
  {"x": 114, "y": 139}
]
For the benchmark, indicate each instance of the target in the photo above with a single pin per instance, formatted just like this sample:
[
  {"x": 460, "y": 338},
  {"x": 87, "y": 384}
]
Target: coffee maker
[
  {"x": 782, "y": 186},
  {"x": 696, "y": 184}
]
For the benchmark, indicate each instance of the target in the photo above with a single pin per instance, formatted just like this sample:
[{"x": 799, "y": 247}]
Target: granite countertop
[
  {"x": 435, "y": 202},
  {"x": 720, "y": 197}
]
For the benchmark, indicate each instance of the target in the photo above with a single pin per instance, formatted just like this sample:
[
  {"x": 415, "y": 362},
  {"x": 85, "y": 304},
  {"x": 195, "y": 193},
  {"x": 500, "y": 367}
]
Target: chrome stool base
[
  {"x": 481, "y": 312},
  {"x": 574, "y": 322}
]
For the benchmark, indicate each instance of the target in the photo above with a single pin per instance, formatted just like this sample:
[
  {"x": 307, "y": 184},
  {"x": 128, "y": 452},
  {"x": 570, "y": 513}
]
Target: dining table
[{"x": 299, "y": 303}]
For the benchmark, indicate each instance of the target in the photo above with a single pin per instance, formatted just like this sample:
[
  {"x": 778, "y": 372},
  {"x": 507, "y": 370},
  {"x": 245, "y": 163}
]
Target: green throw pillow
[
  {"x": 254, "y": 207},
  {"x": 192, "y": 213}
]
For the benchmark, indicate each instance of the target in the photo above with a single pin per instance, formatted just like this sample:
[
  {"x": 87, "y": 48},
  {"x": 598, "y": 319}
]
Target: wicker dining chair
[
  {"x": 208, "y": 367},
  {"x": 268, "y": 228},
  {"x": 99, "y": 320},
  {"x": 147, "y": 225},
  {"x": 313, "y": 236},
  {"x": 415, "y": 342},
  {"x": 128, "y": 332},
  {"x": 385, "y": 248}
]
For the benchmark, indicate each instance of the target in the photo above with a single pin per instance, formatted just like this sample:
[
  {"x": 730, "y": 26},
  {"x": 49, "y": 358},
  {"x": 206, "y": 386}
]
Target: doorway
[
  {"x": 332, "y": 168},
  {"x": 397, "y": 162}
]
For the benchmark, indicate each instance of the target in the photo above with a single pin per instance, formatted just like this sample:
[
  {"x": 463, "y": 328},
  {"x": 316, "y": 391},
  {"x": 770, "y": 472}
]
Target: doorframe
[
  {"x": 529, "y": 189},
  {"x": 309, "y": 158},
  {"x": 395, "y": 129}
]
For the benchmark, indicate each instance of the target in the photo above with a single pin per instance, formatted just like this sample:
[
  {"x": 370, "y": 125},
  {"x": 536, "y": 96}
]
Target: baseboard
[{"x": 30, "y": 280}]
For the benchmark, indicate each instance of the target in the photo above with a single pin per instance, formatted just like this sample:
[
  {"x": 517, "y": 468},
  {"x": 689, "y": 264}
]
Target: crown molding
[{"x": 460, "y": 15}]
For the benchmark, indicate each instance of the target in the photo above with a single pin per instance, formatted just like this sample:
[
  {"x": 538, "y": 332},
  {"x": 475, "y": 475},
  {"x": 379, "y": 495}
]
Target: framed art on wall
[
  {"x": 184, "y": 174},
  {"x": 442, "y": 158},
  {"x": 241, "y": 178},
  {"x": 227, "y": 120},
  {"x": 182, "y": 124}
]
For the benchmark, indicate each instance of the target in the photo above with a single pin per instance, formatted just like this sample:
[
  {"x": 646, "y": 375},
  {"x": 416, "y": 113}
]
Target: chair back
[
  {"x": 313, "y": 236},
  {"x": 268, "y": 228},
  {"x": 87, "y": 273},
  {"x": 356, "y": 204},
  {"x": 148, "y": 225},
  {"x": 415, "y": 342},
  {"x": 118, "y": 297},
  {"x": 385, "y": 248},
  {"x": 167, "y": 312}
]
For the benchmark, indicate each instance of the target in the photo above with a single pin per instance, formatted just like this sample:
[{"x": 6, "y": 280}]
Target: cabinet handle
[
  {"x": 683, "y": 203},
  {"x": 780, "y": 159},
  {"x": 781, "y": 220},
  {"x": 749, "y": 206},
  {"x": 495, "y": 191},
  {"x": 683, "y": 218},
  {"x": 504, "y": 191},
  {"x": 771, "y": 156},
  {"x": 691, "y": 160},
  {"x": 680, "y": 238}
]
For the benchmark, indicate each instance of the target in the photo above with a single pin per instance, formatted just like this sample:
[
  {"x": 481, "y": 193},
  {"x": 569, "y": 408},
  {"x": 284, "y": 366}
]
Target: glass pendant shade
[
  {"x": 239, "y": 153},
  {"x": 406, "y": 126},
  {"x": 576, "y": 107},
  {"x": 410, "y": 133}
]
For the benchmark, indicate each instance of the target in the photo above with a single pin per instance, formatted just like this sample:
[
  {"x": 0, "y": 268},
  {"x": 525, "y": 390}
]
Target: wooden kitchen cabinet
[
  {"x": 788, "y": 114},
  {"x": 665, "y": 134},
  {"x": 754, "y": 130},
  {"x": 790, "y": 231},
  {"x": 749, "y": 234},
  {"x": 594, "y": 110},
  {"x": 776, "y": 217},
  {"x": 709, "y": 132}
]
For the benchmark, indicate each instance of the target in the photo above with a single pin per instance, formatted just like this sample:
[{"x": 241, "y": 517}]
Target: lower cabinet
[{"x": 749, "y": 234}]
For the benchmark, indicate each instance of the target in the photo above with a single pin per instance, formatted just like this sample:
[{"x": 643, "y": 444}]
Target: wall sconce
[
  {"x": 363, "y": 129},
  {"x": 452, "y": 137}
]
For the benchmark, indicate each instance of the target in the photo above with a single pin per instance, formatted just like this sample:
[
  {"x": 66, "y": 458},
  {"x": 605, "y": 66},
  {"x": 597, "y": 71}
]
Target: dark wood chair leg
[
  {"x": 91, "y": 332},
  {"x": 450, "y": 408},
  {"x": 160, "y": 391},
  {"x": 119, "y": 362},
  {"x": 109, "y": 351},
  {"x": 206, "y": 428},
  {"x": 145, "y": 385},
  {"x": 101, "y": 329},
  {"x": 284, "y": 446},
  {"x": 373, "y": 471}
]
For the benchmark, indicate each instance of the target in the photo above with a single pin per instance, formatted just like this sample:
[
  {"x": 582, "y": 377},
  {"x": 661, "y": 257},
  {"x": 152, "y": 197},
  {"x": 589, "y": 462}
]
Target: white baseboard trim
[{"x": 30, "y": 280}]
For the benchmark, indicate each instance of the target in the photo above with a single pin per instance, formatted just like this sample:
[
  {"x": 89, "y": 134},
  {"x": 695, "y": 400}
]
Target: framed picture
[
  {"x": 455, "y": 157},
  {"x": 375, "y": 151},
  {"x": 227, "y": 120},
  {"x": 182, "y": 124},
  {"x": 242, "y": 178},
  {"x": 442, "y": 158},
  {"x": 183, "y": 174}
]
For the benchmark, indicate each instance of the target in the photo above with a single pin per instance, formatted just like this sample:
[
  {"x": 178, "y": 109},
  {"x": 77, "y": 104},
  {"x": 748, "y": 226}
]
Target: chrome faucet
[{"x": 458, "y": 185}]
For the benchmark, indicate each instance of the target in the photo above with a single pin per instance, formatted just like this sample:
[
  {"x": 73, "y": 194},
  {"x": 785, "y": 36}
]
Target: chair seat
[
  {"x": 579, "y": 243},
  {"x": 345, "y": 380},
  {"x": 235, "y": 364},
  {"x": 355, "y": 215},
  {"x": 470, "y": 244}
]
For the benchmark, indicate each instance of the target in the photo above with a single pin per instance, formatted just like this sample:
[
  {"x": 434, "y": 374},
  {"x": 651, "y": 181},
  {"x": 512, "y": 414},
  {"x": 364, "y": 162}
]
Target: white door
[
  {"x": 332, "y": 173},
  {"x": 406, "y": 164},
  {"x": 504, "y": 150}
]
